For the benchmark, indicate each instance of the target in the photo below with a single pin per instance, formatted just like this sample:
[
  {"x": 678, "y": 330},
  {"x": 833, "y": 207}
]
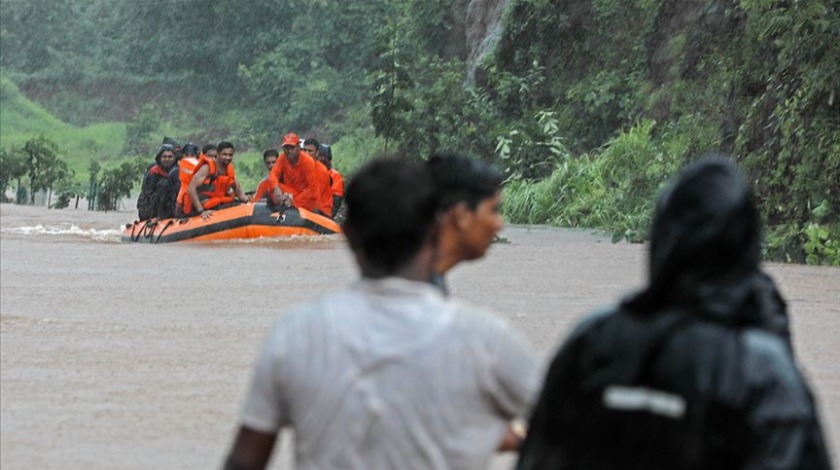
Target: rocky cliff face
[
  {"x": 483, "y": 30},
  {"x": 476, "y": 28}
]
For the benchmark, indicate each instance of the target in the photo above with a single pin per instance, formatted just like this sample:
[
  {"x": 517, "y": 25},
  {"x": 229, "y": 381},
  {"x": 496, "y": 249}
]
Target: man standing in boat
[
  {"x": 295, "y": 169},
  {"x": 212, "y": 182}
]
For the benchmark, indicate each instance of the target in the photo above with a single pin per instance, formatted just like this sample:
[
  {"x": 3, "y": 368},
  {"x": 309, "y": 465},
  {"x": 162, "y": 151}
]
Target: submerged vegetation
[{"x": 589, "y": 106}]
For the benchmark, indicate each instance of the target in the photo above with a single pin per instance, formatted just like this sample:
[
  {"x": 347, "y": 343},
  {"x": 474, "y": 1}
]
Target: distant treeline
[
  {"x": 37, "y": 166},
  {"x": 588, "y": 105}
]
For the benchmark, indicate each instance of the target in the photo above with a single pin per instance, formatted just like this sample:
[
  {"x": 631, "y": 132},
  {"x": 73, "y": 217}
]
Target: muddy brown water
[{"x": 138, "y": 356}]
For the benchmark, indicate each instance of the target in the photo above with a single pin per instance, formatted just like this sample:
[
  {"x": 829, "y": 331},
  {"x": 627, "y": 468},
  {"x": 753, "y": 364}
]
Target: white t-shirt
[{"x": 392, "y": 374}]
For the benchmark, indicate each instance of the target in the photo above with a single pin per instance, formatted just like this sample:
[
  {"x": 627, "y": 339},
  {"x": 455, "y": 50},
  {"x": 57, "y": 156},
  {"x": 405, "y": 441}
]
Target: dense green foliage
[
  {"x": 757, "y": 79},
  {"x": 587, "y": 105}
]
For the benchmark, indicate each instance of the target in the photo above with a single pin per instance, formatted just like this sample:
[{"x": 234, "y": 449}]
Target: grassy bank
[{"x": 614, "y": 189}]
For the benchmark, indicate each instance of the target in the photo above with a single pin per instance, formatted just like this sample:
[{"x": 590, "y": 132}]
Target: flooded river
[{"x": 138, "y": 356}]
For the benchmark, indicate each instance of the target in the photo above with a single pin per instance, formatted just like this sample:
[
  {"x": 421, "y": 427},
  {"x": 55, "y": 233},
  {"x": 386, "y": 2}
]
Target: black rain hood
[
  {"x": 705, "y": 251},
  {"x": 170, "y": 141},
  {"x": 164, "y": 148},
  {"x": 704, "y": 264}
]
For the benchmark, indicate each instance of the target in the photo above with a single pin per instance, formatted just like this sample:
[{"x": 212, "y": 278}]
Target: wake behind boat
[{"x": 237, "y": 222}]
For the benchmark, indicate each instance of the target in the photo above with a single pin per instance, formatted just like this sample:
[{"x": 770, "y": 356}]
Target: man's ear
[{"x": 461, "y": 215}]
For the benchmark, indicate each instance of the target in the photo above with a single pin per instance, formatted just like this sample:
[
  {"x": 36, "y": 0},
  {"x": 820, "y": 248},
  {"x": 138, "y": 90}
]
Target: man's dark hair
[
  {"x": 391, "y": 207},
  {"x": 459, "y": 178},
  {"x": 224, "y": 145},
  {"x": 189, "y": 149},
  {"x": 271, "y": 153},
  {"x": 208, "y": 148},
  {"x": 312, "y": 141},
  {"x": 325, "y": 151}
]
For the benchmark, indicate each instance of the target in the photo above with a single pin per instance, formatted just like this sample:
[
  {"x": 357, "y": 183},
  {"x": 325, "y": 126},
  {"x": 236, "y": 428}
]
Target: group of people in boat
[{"x": 188, "y": 181}]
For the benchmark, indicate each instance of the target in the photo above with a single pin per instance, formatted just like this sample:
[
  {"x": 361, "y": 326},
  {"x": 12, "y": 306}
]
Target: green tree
[
  {"x": 14, "y": 168},
  {"x": 58, "y": 176},
  {"x": 115, "y": 184},
  {"x": 26, "y": 47},
  {"x": 389, "y": 86},
  {"x": 66, "y": 190},
  {"x": 789, "y": 139},
  {"x": 43, "y": 166},
  {"x": 139, "y": 132},
  {"x": 305, "y": 72}
]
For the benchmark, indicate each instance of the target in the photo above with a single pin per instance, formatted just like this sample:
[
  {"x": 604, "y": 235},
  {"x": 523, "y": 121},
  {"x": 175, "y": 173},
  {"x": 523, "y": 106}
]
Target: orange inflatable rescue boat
[{"x": 237, "y": 222}]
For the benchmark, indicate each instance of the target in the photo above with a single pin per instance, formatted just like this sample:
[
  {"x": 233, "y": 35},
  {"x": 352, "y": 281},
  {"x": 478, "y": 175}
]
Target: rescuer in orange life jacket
[
  {"x": 264, "y": 188},
  {"x": 301, "y": 183},
  {"x": 188, "y": 152},
  {"x": 186, "y": 169},
  {"x": 336, "y": 180},
  {"x": 324, "y": 180},
  {"x": 212, "y": 183}
]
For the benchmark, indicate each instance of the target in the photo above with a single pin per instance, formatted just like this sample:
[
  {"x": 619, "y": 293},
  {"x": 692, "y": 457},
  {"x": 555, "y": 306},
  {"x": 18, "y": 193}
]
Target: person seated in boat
[
  {"x": 190, "y": 151},
  {"x": 264, "y": 188},
  {"x": 212, "y": 184},
  {"x": 210, "y": 151},
  {"x": 186, "y": 170},
  {"x": 156, "y": 193},
  {"x": 336, "y": 179},
  {"x": 174, "y": 143},
  {"x": 295, "y": 169},
  {"x": 325, "y": 201},
  {"x": 469, "y": 210}
]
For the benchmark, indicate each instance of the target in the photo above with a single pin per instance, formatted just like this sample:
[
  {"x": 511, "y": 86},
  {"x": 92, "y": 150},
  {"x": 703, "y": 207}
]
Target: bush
[{"x": 612, "y": 190}]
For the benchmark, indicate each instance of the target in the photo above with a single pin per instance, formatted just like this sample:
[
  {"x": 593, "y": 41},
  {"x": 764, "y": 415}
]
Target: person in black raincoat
[
  {"x": 157, "y": 194},
  {"x": 696, "y": 370}
]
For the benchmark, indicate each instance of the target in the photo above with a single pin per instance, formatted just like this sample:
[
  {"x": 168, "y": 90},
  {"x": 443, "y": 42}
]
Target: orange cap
[{"x": 291, "y": 139}]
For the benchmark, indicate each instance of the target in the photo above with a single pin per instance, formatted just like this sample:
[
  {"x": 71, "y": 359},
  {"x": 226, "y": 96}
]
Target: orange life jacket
[
  {"x": 336, "y": 183},
  {"x": 186, "y": 170},
  {"x": 214, "y": 190}
]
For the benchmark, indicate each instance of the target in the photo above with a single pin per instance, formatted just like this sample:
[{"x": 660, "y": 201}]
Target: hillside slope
[{"x": 21, "y": 119}]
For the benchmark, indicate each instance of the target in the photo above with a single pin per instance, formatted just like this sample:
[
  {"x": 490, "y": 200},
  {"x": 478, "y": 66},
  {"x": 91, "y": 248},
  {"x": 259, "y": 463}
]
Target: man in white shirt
[{"x": 388, "y": 373}]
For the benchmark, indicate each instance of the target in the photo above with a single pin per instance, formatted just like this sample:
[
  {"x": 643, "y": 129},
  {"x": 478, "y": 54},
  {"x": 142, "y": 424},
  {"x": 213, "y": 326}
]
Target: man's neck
[
  {"x": 420, "y": 269},
  {"x": 447, "y": 254}
]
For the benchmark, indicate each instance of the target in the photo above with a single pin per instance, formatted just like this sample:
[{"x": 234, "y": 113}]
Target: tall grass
[{"x": 612, "y": 189}]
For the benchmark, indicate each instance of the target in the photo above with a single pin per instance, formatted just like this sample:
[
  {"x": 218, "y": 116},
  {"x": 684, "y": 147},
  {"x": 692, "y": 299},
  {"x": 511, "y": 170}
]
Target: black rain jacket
[
  {"x": 158, "y": 191},
  {"x": 694, "y": 372}
]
